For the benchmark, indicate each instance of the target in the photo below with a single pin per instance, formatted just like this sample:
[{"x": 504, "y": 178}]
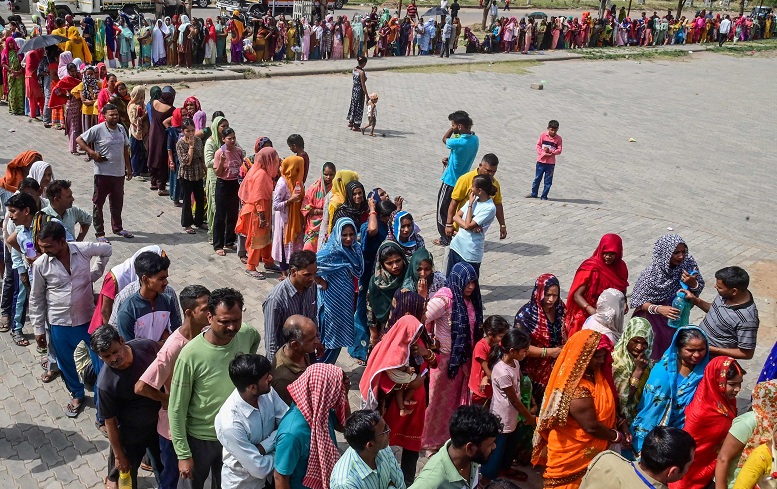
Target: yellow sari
[
  {"x": 559, "y": 442},
  {"x": 342, "y": 179}
]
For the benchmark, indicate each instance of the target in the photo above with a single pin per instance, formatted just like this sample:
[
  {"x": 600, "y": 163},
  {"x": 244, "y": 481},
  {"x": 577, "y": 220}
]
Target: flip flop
[
  {"x": 190, "y": 231},
  {"x": 49, "y": 376},
  {"x": 125, "y": 234},
  {"x": 255, "y": 275},
  {"x": 72, "y": 411},
  {"x": 19, "y": 339},
  {"x": 102, "y": 239}
]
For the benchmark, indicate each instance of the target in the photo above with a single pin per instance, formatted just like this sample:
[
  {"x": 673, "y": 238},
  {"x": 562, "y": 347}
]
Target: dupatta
[
  {"x": 13, "y": 170},
  {"x": 708, "y": 419},
  {"x": 383, "y": 285},
  {"x": 291, "y": 170},
  {"x": 314, "y": 199},
  {"x": 765, "y": 409},
  {"x": 623, "y": 365},
  {"x": 414, "y": 241},
  {"x": 667, "y": 393},
  {"x": 341, "y": 181},
  {"x": 658, "y": 283}
]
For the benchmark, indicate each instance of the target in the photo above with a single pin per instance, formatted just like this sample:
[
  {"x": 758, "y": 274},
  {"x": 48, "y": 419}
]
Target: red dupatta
[
  {"x": 597, "y": 276},
  {"x": 707, "y": 419},
  {"x": 60, "y": 88}
]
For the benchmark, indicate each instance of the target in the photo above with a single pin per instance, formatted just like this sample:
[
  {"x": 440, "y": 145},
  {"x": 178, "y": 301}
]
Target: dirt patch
[
  {"x": 763, "y": 284},
  {"x": 507, "y": 67}
]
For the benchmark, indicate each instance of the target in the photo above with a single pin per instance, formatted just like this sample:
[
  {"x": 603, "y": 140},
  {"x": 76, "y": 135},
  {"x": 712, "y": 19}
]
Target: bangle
[
  {"x": 373, "y": 213},
  {"x": 449, "y": 225},
  {"x": 544, "y": 352},
  {"x": 618, "y": 436},
  {"x": 633, "y": 382},
  {"x": 503, "y": 226}
]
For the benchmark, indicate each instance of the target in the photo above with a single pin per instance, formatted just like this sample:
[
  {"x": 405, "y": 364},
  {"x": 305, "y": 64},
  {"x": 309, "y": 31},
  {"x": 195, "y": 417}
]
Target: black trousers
[
  {"x": 189, "y": 188},
  {"x": 722, "y": 38},
  {"x": 227, "y": 208},
  {"x": 408, "y": 464},
  {"x": 207, "y": 460},
  {"x": 135, "y": 452},
  {"x": 443, "y": 202}
]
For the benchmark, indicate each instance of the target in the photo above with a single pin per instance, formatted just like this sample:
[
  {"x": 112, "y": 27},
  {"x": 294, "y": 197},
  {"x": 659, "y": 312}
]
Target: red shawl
[
  {"x": 60, "y": 88},
  {"x": 707, "y": 419},
  {"x": 597, "y": 276},
  {"x": 13, "y": 170}
]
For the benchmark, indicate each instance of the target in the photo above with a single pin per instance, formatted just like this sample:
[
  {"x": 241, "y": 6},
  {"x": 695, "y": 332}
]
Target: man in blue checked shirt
[{"x": 369, "y": 463}]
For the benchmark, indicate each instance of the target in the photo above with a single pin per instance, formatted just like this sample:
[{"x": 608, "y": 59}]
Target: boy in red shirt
[{"x": 548, "y": 146}]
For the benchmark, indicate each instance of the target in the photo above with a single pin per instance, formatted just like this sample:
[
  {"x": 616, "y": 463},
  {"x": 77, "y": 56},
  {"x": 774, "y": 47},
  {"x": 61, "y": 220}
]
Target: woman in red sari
[
  {"x": 604, "y": 270},
  {"x": 406, "y": 342},
  {"x": 708, "y": 419}
]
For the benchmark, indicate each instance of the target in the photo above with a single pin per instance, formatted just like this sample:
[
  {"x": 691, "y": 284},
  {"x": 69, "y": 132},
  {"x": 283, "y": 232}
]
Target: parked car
[{"x": 760, "y": 12}]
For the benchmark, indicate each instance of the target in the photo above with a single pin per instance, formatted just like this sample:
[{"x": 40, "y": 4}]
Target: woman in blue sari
[
  {"x": 371, "y": 235},
  {"x": 672, "y": 384},
  {"x": 339, "y": 262}
]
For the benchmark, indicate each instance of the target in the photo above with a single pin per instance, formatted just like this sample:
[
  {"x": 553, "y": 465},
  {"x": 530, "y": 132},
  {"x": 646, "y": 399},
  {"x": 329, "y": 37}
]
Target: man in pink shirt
[
  {"x": 548, "y": 146},
  {"x": 194, "y": 302}
]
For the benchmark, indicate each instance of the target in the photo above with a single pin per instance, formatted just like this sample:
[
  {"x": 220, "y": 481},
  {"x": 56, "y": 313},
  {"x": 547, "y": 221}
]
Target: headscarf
[
  {"x": 411, "y": 274},
  {"x": 708, "y": 419},
  {"x": 176, "y": 120},
  {"x": 341, "y": 180},
  {"x": 414, "y": 241},
  {"x": 291, "y": 170},
  {"x": 658, "y": 283},
  {"x": 124, "y": 273},
  {"x": 406, "y": 302},
  {"x": 666, "y": 393},
  {"x": 623, "y": 365},
  {"x": 769, "y": 371},
  {"x": 154, "y": 93},
  {"x": 258, "y": 184},
  {"x": 462, "y": 341},
  {"x": 182, "y": 28},
  {"x": 211, "y": 29},
  {"x": 200, "y": 119},
  {"x": 608, "y": 319},
  {"x": 13, "y": 170},
  {"x": 765, "y": 409},
  {"x": 37, "y": 170},
  {"x": 334, "y": 256},
  {"x": 193, "y": 100},
  {"x": 351, "y": 209},
  {"x": 391, "y": 352},
  {"x": 138, "y": 95},
  {"x": 316, "y": 392},
  {"x": 383, "y": 285},
  {"x": 167, "y": 96},
  {"x": 64, "y": 58},
  {"x": 91, "y": 87},
  {"x": 531, "y": 318},
  {"x": 110, "y": 34},
  {"x": 314, "y": 199},
  {"x": 570, "y": 366}
]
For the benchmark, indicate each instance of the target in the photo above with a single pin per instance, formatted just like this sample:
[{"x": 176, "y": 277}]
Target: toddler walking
[{"x": 372, "y": 114}]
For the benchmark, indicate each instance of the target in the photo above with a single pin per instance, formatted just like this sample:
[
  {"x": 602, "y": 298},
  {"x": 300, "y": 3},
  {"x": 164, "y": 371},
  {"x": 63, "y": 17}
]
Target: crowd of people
[{"x": 571, "y": 385}]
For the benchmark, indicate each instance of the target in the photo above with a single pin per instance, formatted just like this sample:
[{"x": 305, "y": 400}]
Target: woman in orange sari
[
  {"x": 578, "y": 413},
  {"x": 708, "y": 419},
  {"x": 604, "y": 270},
  {"x": 255, "y": 216}
]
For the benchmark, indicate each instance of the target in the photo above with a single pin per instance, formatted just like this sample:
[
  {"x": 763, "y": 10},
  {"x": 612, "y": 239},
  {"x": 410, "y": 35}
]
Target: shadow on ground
[{"x": 50, "y": 453}]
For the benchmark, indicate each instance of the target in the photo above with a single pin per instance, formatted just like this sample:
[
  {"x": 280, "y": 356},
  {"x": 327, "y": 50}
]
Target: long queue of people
[{"x": 568, "y": 380}]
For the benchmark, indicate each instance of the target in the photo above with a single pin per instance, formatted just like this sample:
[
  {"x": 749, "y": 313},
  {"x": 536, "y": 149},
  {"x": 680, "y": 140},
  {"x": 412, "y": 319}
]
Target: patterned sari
[
  {"x": 560, "y": 443},
  {"x": 623, "y": 366},
  {"x": 314, "y": 200}
]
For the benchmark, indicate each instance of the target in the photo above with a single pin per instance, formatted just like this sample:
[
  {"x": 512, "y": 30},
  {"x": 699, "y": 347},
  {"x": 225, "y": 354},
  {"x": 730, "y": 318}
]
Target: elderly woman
[
  {"x": 405, "y": 341},
  {"x": 608, "y": 318},
  {"x": 453, "y": 316},
  {"x": 605, "y": 269},
  {"x": 658, "y": 284},
  {"x": 671, "y": 384},
  {"x": 542, "y": 318},
  {"x": 631, "y": 366},
  {"x": 577, "y": 418}
]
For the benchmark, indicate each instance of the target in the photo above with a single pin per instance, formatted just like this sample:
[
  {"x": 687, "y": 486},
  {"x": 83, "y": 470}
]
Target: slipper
[
  {"x": 243, "y": 260},
  {"x": 153, "y": 187},
  {"x": 4, "y": 327},
  {"x": 72, "y": 411},
  {"x": 49, "y": 375},
  {"x": 203, "y": 226},
  {"x": 102, "y": 239},
  {"x": 125, "y": 234},
  {"x": 190, "y": 231},
  {"x": 255, "y": 275},
  {"x": 221, "y": 253}
]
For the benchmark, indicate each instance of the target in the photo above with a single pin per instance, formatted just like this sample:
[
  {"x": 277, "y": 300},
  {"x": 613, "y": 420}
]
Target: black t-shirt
[
  {"x": 455, "y": 9},
  {"x": 137, "y": 415}
]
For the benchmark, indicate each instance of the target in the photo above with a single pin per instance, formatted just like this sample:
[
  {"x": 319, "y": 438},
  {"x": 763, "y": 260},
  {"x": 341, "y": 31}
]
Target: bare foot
[
  {"x": 405, "y": 412},
  {"x": 372, "y": 134}
]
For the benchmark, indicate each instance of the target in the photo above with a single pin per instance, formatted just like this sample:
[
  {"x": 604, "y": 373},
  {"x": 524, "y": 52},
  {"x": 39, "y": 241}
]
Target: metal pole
[{"x": 628, "y": 11}]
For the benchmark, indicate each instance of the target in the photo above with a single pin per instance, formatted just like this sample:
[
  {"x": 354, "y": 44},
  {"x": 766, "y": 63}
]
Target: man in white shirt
[
  {"x": 725, "y": 28},
  {"x": 247, "y": 423},
  {"x": 62, "y": 296}
]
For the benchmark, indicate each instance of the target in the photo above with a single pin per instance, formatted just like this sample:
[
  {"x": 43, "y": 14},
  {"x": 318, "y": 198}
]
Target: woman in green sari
[
  {"x": 145, "y": 38},
  {"x": 13, "y": 67},
  {"x": 212, "y": 145}
]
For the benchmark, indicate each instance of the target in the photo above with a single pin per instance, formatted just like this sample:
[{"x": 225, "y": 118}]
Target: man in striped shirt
[
  {"x": 731, "y": 324},
  {"x": 369, "y": 463}
]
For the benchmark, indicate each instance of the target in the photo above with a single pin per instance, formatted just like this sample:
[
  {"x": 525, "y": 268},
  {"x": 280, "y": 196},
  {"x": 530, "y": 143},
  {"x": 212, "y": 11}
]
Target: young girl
[
  {"x": 372, "y": 114},
  {"x": 473, "y": 219},
  {"x": 495, "y": 328},
  {"x": 226, "y": 166},
  {"x": 506, "y": 402}
]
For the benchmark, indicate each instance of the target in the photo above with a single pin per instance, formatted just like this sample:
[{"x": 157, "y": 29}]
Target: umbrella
[
  {"x": 538, "y": 15},
  {"x": 435, "y": 11},
  {"x": 41, "y": 42}
]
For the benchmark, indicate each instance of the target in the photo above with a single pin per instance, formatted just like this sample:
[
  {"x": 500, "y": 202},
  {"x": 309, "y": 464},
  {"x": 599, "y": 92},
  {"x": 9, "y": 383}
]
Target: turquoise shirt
[
  {"x": 292, "y": 446},
  {"x": 463, "y": 148}
]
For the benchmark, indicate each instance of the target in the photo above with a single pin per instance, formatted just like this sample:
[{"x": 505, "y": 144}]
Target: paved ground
[{"x": 697, "y": 166}]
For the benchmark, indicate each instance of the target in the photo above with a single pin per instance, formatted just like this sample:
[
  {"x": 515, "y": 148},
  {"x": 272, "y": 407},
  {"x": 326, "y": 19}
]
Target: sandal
[
  {"x": 102, "y": 239},
  {"x": 4, "y": 324},
  {"x": 255, "y": 275},
  {"x": 125, "y": 234},
  {"x": 153, "y": 187},
  {"x": 19, "y": 339},
  {"x": 42, "y": 350},
  {"x": 221, "y": 253},
  {"x": 273, "y": 268},
  {"x": 49, "y": 375},
  {"x": 72, "y": 411},
  {"x": 163, "y": 193},
  {"x": 102, "y": 429},
  {"x": 189, "y": 230},
  {"x": 243, "y": 260}
]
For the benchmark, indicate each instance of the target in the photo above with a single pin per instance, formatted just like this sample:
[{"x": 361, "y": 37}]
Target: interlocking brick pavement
[{"x": 699, "y": 165}]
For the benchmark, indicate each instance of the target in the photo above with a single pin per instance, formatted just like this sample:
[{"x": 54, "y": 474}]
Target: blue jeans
[
  {"x": 168, "y": 478},
  {"x": 7, "y": 301},
  {"x": 454, "y": 258},
  {"x": 502, "y": 455},
  {"x": 548, "y": 171},
  {"x": 66, "y": 339},
  {"x": 19, "y": 303}
]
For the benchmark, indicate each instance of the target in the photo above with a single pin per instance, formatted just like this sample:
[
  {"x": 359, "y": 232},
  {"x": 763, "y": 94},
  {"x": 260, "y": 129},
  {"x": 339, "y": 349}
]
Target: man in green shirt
[
  {"x": 473, "y": 433},
  {"x": 201, "y": 385}
]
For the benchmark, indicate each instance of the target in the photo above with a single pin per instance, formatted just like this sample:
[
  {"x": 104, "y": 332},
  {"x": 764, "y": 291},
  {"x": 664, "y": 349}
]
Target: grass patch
[
  {"x": 506, "y": 67},
  {"x": 641, "y": 54},
  {"x": 749, "y": 48}
]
